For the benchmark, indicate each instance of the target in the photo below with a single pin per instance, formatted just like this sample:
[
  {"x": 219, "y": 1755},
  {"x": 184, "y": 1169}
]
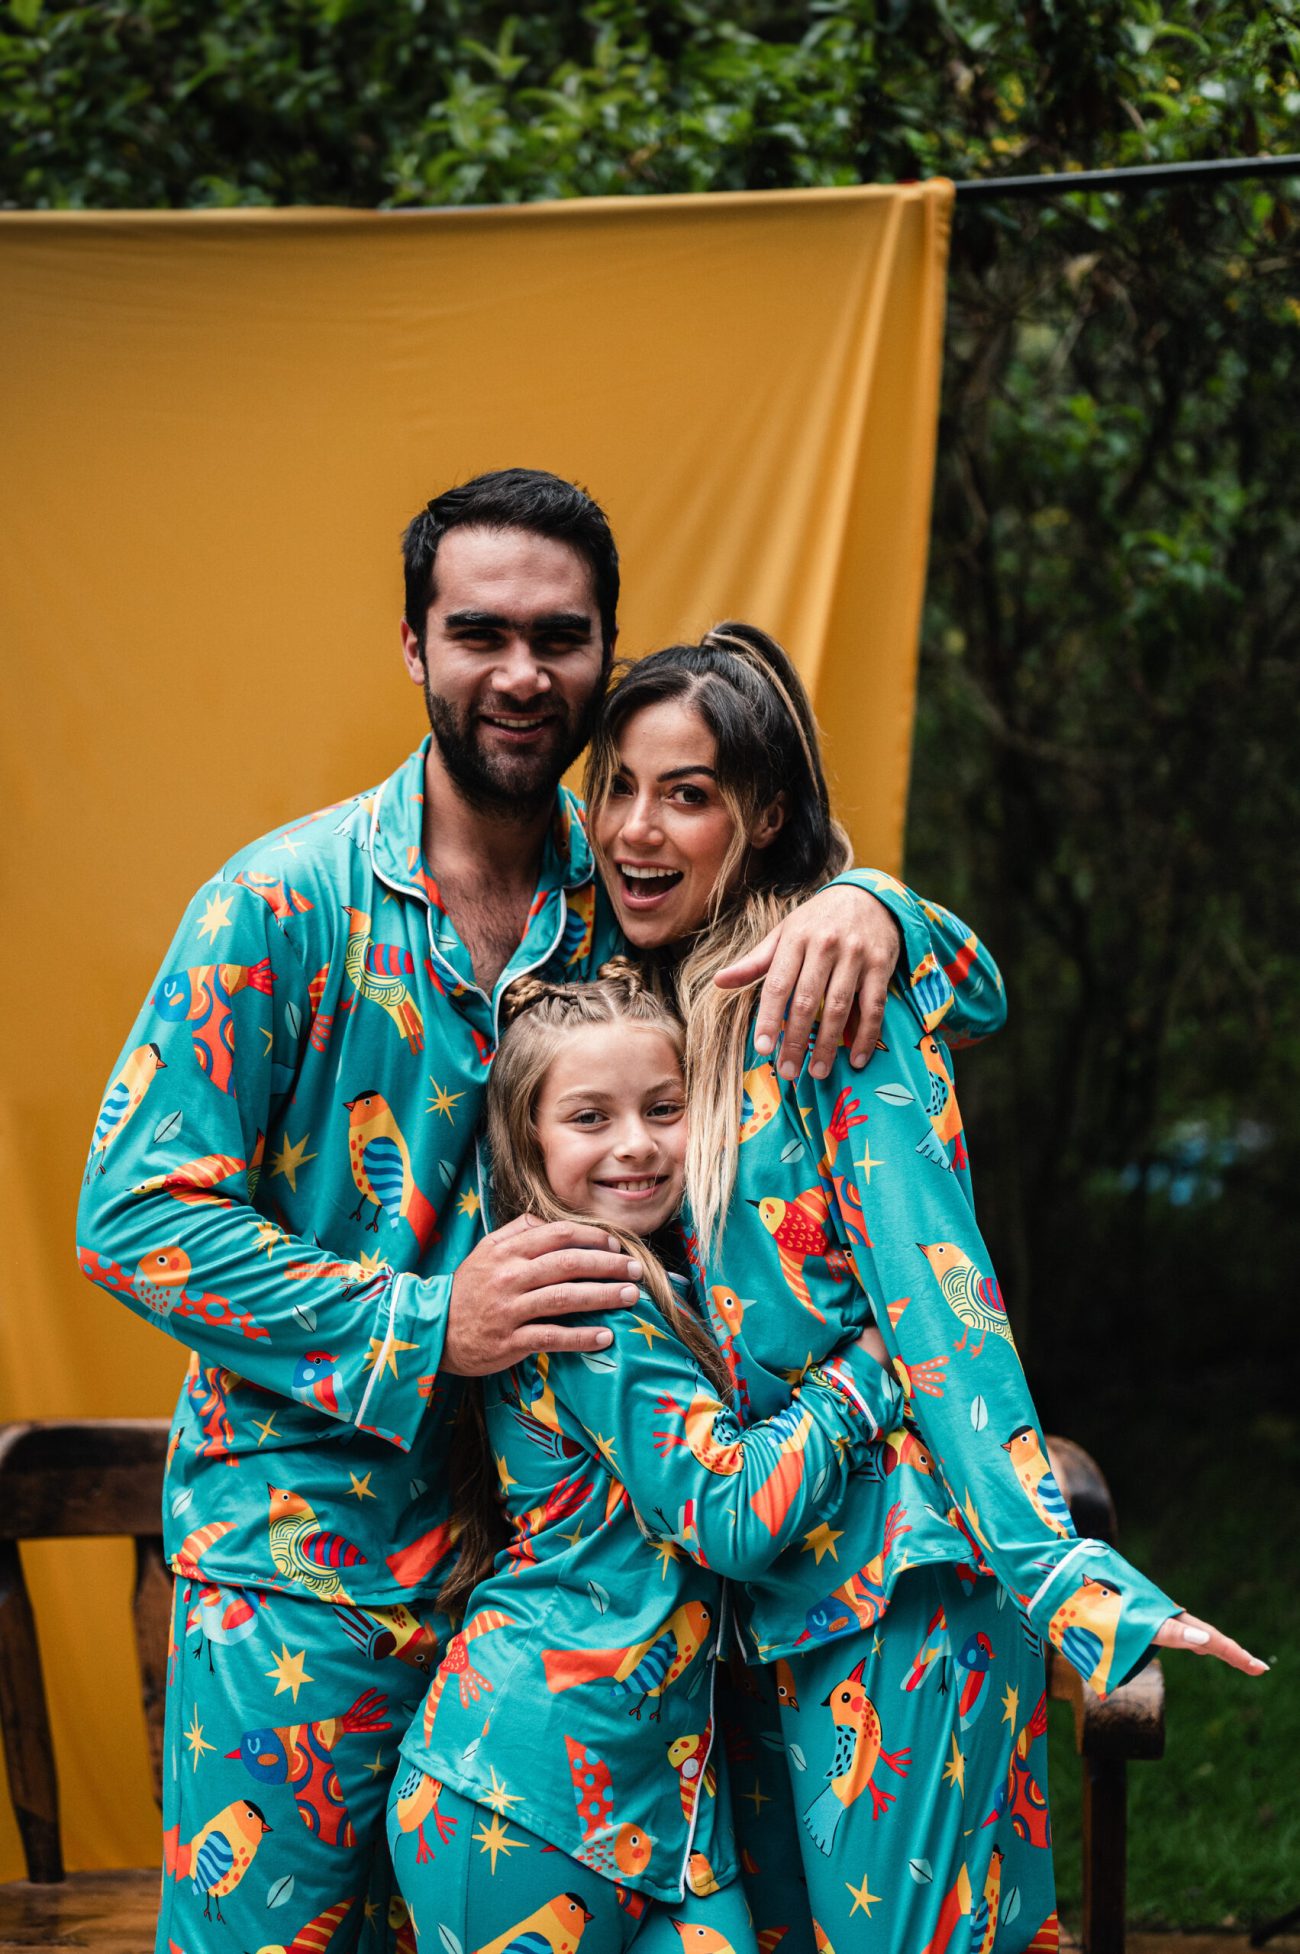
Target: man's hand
[
  {"x": 1202, "y": 1638},
  {"x": 506, "y": 1292},
  {"x": 838, "y": 948}
]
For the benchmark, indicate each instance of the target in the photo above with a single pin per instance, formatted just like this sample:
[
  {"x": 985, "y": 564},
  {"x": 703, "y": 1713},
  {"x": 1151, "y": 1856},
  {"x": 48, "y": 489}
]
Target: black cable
[{"x": 1146, "y": 176}]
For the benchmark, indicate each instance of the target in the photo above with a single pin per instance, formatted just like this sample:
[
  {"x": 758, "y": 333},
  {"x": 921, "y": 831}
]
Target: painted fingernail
[
  {"x": 634, "y": 1269},
  {"x": 1197, "y": 1635},
  {"x": 628, "y": 1295},
  {"x": 762, "y": 1043}
]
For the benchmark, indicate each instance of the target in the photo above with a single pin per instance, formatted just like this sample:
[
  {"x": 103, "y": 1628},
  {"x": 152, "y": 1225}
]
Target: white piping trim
[{"x": 1079, "y": 1547}]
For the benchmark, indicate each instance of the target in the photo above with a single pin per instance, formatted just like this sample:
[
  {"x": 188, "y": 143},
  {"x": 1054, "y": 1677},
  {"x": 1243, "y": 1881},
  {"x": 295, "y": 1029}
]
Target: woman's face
[
  {"x": 611, "y": 1120},
  {"x": 665, "y": 830}
]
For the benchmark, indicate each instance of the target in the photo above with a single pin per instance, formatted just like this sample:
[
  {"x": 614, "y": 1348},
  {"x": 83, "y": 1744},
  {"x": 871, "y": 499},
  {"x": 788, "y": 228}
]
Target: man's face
[{"x": 512, "y": 668}]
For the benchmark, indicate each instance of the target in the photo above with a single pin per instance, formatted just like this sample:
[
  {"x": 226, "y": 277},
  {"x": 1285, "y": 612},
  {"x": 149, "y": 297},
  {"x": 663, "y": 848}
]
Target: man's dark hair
[{"x": 513, "y": 498}]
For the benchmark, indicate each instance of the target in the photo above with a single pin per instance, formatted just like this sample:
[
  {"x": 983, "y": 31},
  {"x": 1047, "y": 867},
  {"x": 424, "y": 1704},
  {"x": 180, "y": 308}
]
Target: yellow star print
[
  {"x": 867, "y": 1163},
  {"x": 667, "y": 1552},
  {"x": 1010, "y": 1706},
  {"x": 266, "y": 1426},
  {"x": 269, "y": 1236},
  {"x": 290, "y": 1158},
  {"x": 605, "y": 1446},
  {"x": 376, "y": 1769},
  {"x": 862, "y": 1897},
  {"x": 504, "y": 1475},
  {"x": 954, "y": 1771},
  {"x": 360, "y": 1488},
  {"x": 757, "y": 1798},
  {"x": 196, "y": 1740},
  {"x": 290, "y": 1671},
  {"x": 389, "y": 1355},
  {"x": 468, "y": 1204},
  {"x": 216, "y": 917},
  {"x": 821, "y": 1541},
  {"x": 641, "y": 1328},
  {"x": 442, "y": 1102},
  {"x": 498, "y": 1799},
  {"x": 494, "y": 1837}
]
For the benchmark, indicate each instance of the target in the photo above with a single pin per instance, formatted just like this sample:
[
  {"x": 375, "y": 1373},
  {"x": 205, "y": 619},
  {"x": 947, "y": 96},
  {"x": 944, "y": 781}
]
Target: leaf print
[
  {"x": 470, "y": 1751},
  {"x": 895, "y": 1095},
  {"x": 598, "y": 1360},
  {"x": 447, "y": 1171},
  {"x": 279, "y": 1891},
  {"x": 449, "y": 1940},
  {"x": 1011, "y": 1906},
  {"x": 797, "y": 1757},
  {"x": 791, "y": 1150},
  {"x": 167, "y": 1128},
  {"x": 921, "y": 1870},
  {"x": 306, "y": 1315},
  {"x": 293, "y": 1020},
  {"x": 597, "y": 1597},
  {"x": 821, "y": 1482},
  {"x": 979, "y": 1414},
  {"x": 182, "y": 1500}
]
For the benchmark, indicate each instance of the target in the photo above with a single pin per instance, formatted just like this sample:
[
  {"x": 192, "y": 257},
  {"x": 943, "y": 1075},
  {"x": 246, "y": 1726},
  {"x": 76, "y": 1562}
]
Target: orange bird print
[
  {"x": 858, "y": 1750},
  {"x": 607, "y": 1847},
  {"x": 378, "y": 972},
  {"x": 645, "y": 1670},
  {"x": 219, "y": 1854},
  {"x": 941, "y": 1106},
  {"x": 789, "y": 1427},
  {"x": 558, "y": 1926},
  {"x": 201, "y": 996},
  {"x": 381, "y": 1168},
  {"x": 122, "y": 1101},
  {"x": 456, "y": 1663},
  {"x": 1083, "y": 1629},
  {"x": 417, "y": 1803},
  {"x": 798, "y": 1228}
]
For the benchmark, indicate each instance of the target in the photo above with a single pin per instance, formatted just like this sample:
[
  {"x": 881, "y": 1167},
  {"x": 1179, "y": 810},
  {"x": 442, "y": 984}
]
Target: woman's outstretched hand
[{"x": 1201, "y": 1638}]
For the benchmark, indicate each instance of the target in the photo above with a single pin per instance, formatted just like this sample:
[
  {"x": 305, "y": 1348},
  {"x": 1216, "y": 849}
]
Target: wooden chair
[
  {"x": 1130, "y": 1723},
  {"x": 57, "y": 1480}
]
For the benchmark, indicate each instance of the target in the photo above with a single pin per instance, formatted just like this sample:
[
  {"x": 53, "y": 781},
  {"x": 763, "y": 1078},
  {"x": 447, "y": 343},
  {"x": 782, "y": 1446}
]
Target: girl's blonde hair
[
  {"x": 538, "y": 1017},
  {"x": 748, "y": 693}
]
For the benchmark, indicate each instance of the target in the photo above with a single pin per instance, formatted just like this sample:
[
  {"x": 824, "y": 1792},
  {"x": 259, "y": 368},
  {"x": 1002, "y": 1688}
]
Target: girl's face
[
  {"x": 665, "y": 830},
  {"x": 611, "y": 1119}
]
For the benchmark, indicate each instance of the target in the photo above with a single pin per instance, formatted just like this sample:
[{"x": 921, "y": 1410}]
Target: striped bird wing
[
  {"x": 1054, "y": 1500},
  {"x": 323, "y": 1549},
  {"x": 990, "y": 1295},
  {"x": 215, "y": 1858},
  {"x": 383, "y": 1163},
  {"x": 111, "y": 1111},
  {"x": 1083, "y": 1648}
]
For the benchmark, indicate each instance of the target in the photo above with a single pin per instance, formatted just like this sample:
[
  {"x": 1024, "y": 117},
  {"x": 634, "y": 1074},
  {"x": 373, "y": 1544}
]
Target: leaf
[
  {"x": 773, "y": 1739},
  {"x": 895, "y": 1095},
  {"x": 26, "y": 12},
  {"x": 921, "y": 1870},
  {"x": 979, "y": 1414},
  {"x": 167, "y": 1128},
  {"x": 598, "y": 1360},
  {"x": 447, "y": 1171},
  {"x": 820, "y": 1483},
  {"x": 471, "y": 1750},
  {"x": 597, "y": 1597},
  {"x": 449, "y": 1940},
  {"x": 1011, "y": 1906},
  {"x": 791, "y": 1150},
  {"x": 796, "y": 1757},
  {"x": 419, "y": 1486},
  {"x": 279, "y": 1891},
  {"x": 293, "y": 1020},
  {"x": 182, "y": 1500},
  {"x": 306, "y": 1315}
]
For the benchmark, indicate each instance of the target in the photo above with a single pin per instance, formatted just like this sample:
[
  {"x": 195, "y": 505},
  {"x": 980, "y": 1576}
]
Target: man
[{"x": 285, "y": 1175}]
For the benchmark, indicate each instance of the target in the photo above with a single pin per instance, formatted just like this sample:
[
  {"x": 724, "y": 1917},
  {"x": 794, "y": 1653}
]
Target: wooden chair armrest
[{"x": 1129, "y": 1723}]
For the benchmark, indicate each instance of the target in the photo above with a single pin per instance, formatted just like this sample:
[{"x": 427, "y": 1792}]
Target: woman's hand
[
  {"x": 838, "y": 949},
  {"x": 1201, "y": 1638},
  {"x": 874, "y": 1344}
]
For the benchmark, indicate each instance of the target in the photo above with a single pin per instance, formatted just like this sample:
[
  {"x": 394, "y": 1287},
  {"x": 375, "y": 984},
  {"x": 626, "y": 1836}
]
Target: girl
[
  {"x": 907, "y": 1630},
  {"x": 563, "y": 1776}
]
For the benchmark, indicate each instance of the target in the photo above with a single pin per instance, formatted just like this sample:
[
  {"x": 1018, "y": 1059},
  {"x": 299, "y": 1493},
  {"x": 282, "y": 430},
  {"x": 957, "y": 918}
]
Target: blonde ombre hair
[
  {"x": 744, "y": 688},
  {"x": 538, "y": 1017}
]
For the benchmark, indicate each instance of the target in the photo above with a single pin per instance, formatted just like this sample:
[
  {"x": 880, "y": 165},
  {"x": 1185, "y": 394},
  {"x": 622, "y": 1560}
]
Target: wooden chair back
[{"x": 60, "y": 1479}]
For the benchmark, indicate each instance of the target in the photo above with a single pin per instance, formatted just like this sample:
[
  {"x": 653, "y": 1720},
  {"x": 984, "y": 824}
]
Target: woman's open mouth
[{"x": 644, "y": 887}]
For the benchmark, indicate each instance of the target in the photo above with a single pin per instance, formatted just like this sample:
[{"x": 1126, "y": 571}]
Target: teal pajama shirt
[
  {"x": 284, "y": 1177},
  {"x": 905, "y": 1630},
  {"x": 576, "y": 1705}
]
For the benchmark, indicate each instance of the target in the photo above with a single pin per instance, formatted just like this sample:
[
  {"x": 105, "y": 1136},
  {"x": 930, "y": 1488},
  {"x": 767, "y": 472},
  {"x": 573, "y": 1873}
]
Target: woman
[{"x": 896, "y": 1628}]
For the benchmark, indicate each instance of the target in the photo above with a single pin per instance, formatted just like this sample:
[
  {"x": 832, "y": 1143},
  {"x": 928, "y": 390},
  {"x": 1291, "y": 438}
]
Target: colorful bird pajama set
[
  {"x": 576, "y": 1704},
  {"x": 905, "y": 1630},
  {"x": 287, "y": 1148}
]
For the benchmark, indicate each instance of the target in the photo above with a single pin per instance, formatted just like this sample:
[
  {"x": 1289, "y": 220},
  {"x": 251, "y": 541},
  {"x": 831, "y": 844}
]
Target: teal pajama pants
[
  {"x": 918, "y": 1766},
  {"x": 476, "y": 1883},
  {"x": 280, "y": 1744}
]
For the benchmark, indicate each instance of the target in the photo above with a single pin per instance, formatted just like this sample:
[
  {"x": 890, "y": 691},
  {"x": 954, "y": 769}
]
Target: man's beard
[{"x": 517, "y": 785}]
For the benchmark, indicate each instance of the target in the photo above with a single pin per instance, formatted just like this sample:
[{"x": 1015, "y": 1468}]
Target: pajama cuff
[
  {"x": 873, "y": 1393},
  {"x": 928, "y": 983},
  {"x": 1100, "y": 1613},
  {"x": 406, "y": 1350}
]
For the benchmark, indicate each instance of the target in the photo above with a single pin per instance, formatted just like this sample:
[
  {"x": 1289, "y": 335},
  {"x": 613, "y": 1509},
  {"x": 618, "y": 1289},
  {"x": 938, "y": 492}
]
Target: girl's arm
[
  {"x": 732, "y": 1498},
  {"x": 913, "y": 1236}
]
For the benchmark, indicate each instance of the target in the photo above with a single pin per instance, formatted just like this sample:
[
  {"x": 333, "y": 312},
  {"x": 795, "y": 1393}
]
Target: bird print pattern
[{"x": 593, "y": 1652}]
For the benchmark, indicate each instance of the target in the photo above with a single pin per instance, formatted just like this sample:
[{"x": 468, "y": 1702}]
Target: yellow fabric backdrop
[{"x": 217, "y": 425}]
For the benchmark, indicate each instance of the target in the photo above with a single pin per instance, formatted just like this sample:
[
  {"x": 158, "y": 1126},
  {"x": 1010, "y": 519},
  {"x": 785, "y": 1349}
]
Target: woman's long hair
[
  {"x": 749, "y": 695},
  {"x": 539, "y": 1016}
]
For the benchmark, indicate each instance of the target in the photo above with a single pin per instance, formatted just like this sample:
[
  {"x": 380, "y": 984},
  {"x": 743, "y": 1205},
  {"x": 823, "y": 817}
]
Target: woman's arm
[{"x": 731, "y": 1498}]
